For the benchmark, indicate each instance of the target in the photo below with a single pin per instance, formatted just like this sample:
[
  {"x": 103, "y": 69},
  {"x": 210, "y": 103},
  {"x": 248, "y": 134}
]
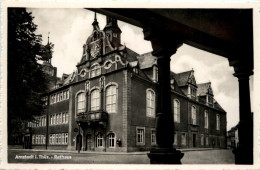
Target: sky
[{"x": 70, "y": 28}]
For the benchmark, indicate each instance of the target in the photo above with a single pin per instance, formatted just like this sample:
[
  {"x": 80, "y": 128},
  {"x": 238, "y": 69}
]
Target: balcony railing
[{"x": 92, "y": 116}]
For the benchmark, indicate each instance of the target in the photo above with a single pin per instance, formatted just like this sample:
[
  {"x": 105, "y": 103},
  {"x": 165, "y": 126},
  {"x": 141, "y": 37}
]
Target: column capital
[
  {"x": 242, "y": 71},
  {"x": 163, "y": 42},
  {"x": 242, "y": 67}
]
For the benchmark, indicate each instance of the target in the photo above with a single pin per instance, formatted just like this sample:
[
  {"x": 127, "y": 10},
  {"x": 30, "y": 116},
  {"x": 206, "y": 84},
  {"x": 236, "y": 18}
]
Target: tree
[{"x": 26, "y": 80}]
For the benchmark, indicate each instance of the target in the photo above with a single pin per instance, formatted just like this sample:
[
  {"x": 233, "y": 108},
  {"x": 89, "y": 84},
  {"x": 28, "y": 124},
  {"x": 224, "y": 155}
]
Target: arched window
[
  {"x": 95, "y": 70},
  {"x": 81, "y": 102},
  {"x": 150, "y": 103},
  {"x": 95, "y": 100},
  {"x": 99, "y": 140},
  {"x": 176, "y": 110},
  {"x": 193, "y": 115},
  {"x": 111, "y": 140},
  {"x": 111, "y": 99}
]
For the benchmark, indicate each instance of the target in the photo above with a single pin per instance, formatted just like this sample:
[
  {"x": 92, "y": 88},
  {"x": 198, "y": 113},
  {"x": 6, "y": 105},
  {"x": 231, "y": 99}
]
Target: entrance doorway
[
  {"x": 88, "y": 142},
  {"x": 194, "y": 139}
]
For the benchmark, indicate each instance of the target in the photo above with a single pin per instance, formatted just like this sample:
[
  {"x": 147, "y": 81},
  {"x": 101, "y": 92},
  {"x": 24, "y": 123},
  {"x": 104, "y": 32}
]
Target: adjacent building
[{"x": 109, "y": 102}]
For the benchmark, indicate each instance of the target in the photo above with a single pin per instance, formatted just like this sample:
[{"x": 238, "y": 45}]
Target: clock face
[{"x": 95, "y": 49}]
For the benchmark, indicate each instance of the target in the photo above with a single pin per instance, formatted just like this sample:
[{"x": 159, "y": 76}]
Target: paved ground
[{"x": 57, "y": 157}]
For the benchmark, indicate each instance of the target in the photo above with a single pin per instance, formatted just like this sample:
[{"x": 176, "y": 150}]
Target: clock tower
[{"x": 113, "y": 32}]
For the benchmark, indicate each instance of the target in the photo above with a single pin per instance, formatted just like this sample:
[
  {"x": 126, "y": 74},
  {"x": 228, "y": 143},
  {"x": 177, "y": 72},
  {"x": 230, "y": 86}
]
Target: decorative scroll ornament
[{"x": 95, "y": 48}]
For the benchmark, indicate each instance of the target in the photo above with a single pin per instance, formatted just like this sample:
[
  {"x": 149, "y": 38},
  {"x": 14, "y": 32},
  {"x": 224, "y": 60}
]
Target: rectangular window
[
  {"x": 183, "y": 138},
  {"x": 218, "y": 122},
  {"x": 153, "y": 137},
  {"x": 193, "y": 115},
  {"x": 33, "y": 139},
  {"x": 57, "y": 119},
  {"x": 175, "y": 138},
  {"x": 202, "y": 140},
  {"x": 207, "y": 140},
  {"x": 67, "y": 117},
  {"x": 62, "y": 138},
  {"x": 95, "y": 100},
  {"x": 140, "y": 136},
  {"x": 61, "y": 97},
  {"x": 111, "y": 140},
  {"x": 99, "y": 141},
  {"x": 64, "y": 95},
  {"x": 54, "y": 98},
  {"x": 111, "y": 95},
  {"x": 66, "y": 138},
  {"x": 67, "y": 94},
  {"x": 206, "y": 119},
  {"x": 176, "y": 110},
  {"x": 81, "y": 102},
  {"x": 57, "y": 138},
  {"x": 58, "y": 97},
  {"x": 50, "y": 139}
]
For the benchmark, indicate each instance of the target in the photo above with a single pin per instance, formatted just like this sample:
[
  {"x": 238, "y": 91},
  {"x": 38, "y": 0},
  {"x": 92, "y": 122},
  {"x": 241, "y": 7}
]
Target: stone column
[
  {"x": 163, "y": 47},
  {"x": 244, "y": 152}
]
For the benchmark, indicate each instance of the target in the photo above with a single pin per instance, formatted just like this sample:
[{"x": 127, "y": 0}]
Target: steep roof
[
  {"x": 146, "y": 60},
  {"x": 217, "y": 106},
  {"x": 203, "y": 89},
  {"x": 182, "y": 78},
  {"x": 131, "y": 55}
]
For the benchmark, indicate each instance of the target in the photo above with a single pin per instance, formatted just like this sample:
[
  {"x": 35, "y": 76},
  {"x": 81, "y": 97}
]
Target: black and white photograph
[{"x": 123, "y": 85}]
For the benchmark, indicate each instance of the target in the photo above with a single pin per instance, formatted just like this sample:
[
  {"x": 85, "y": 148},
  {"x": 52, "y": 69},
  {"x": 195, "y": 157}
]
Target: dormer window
[
  {"x": 135, "y": 70},
  {"x": 193, "y": 91},
  {"x": 155, "y": 73},
  {"x": 210, "y": 99}
]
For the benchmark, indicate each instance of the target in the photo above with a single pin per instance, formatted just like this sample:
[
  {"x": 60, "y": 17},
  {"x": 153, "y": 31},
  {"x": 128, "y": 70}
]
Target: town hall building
[{"x": 109, "y": 102}]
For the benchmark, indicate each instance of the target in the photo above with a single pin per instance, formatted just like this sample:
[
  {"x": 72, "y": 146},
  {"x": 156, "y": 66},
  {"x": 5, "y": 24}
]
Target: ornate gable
[{"x": 192, "y": 79}]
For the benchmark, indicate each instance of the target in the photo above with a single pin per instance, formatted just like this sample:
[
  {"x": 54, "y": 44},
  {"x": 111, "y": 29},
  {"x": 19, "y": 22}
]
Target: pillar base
[
  {"x": 243, "y": 156},
  {"x": 165, "y": 156}
]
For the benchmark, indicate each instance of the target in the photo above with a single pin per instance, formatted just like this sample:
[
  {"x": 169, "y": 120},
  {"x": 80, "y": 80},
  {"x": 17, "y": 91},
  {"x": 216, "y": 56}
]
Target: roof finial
[
  {"x": 48, "y": 37},
  {"x": 95, "y": 18}
]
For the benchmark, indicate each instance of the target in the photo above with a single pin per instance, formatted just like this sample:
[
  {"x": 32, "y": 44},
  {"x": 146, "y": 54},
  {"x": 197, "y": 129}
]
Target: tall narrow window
[
  {"x": 63, "y": 118},
  {"x": 95, "y": 100},
  {"x": 193, "y": 115},
  {"x": 54, "y": 119},
  {"x": 140, "y": 136},
  {"x": 183, "y": 138},
  {"x": 176, "y": 111},
  {"x": 99, "y": 142},
  {"x": 67, "y": 118},
  {"x": 111, "y": 99},
  {"x": 111, "y": 140},
  {"x": 66, "y": 138},
  {"x": 67, "y": 94},
  {"x": 175, "y": 138},
  {"x": 218, "y": 122},
  {"x": 153, "y": 137},
  {"x": 206, "y": 119},
  {"x": 202, "y": 140},
  {"x": 81, "y": 103},
  {"x": 150, "y": 103},
  {"x": 207, "y": 140},
  {"x": 54, "y": 98}
]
